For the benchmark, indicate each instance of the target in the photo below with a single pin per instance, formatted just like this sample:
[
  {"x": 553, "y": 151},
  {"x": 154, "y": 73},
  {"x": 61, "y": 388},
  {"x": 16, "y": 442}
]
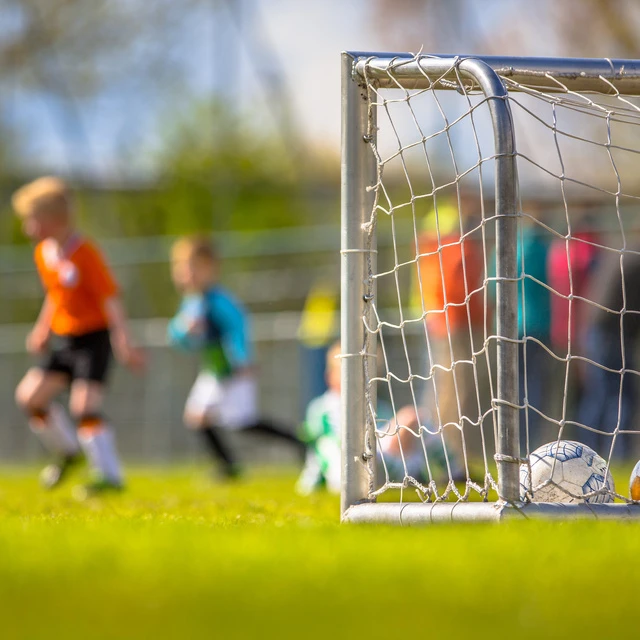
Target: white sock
[
  {"x": 55, "y": 431},
  {"x": 99, "y": 446}
]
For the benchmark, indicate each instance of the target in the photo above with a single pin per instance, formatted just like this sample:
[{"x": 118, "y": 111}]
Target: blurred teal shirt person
[
  {"x": 534, "y": 299},
  {"x": 534, "y": 321}
]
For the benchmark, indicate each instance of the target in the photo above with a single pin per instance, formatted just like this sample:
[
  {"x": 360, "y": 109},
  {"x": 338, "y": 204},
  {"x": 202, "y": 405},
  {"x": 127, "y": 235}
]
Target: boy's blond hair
[
  {"x": 47, "y": 195},
  {"x": 196, "y": 247}
]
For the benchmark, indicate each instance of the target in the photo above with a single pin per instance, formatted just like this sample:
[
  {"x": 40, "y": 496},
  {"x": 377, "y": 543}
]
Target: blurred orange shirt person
[
  {"x": 442, "y": 275},
  {"x": 78, "y": 283}
]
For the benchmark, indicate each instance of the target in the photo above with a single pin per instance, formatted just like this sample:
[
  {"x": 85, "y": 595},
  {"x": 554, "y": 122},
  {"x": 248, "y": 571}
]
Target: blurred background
[{"x": 222, "y": 116}]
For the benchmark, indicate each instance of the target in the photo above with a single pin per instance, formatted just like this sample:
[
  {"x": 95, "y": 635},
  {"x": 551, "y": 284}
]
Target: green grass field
[{"x": 178, "y": 556}]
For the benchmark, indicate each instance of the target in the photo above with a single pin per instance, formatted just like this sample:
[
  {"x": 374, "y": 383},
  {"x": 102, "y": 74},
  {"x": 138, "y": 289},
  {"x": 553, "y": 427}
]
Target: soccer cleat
[
  {"x": 53, "y": 474},
  {"x": 230, "y": 472},
  {"x": 96, "y": 489}
]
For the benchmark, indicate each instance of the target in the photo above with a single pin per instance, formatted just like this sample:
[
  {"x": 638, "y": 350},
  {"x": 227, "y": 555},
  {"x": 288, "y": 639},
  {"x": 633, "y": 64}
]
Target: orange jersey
[
  {"x": 444, "y": 284},
  {"x": 77, "y": 282}
]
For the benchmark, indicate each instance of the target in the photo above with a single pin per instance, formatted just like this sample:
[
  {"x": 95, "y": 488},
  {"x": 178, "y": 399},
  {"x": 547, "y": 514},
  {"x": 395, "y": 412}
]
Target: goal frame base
[{"x": 419, "y": 514}]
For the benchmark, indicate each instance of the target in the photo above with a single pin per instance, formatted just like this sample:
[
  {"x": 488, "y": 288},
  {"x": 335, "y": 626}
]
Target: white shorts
[{"x": 230, "y": 403}]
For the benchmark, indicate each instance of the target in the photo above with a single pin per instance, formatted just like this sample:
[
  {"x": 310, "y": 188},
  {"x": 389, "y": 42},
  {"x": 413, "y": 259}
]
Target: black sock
[
  {"x": 268, "y": 428},
  {"x": 218, "y": 448}
]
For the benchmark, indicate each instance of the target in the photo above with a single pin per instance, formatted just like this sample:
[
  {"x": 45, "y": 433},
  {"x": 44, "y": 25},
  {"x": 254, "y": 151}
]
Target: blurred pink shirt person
[{"x": 580, "y": 256}]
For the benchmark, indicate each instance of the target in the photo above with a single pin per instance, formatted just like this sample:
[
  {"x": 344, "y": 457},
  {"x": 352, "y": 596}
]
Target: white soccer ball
[{"x": 565, "y": 471}]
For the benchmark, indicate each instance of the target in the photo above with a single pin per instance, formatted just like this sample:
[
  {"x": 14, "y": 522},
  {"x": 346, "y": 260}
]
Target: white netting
[{"x": 579, "y": 282}]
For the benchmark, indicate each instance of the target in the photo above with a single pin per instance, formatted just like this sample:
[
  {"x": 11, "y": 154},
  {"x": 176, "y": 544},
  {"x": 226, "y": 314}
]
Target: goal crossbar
[{"x": 545, "y": 74}]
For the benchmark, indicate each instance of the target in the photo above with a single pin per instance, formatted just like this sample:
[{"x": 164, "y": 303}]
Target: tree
[
  {"x": 66, "y": 51},
  {"x": 588, "y": 28},
  {"x": 220, "y": 169}
]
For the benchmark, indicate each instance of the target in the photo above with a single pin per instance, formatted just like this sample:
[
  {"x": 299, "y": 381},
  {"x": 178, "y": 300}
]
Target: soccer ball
[{"x": 565, "y": 471}]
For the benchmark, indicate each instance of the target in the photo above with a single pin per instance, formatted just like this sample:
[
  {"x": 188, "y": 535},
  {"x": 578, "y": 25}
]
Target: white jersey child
[
  {"x": 321, "y": 432},
  {"x": 323, "y": 462}
]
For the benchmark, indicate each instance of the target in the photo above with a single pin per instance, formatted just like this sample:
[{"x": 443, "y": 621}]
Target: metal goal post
[{"x": 362, "y": 74}]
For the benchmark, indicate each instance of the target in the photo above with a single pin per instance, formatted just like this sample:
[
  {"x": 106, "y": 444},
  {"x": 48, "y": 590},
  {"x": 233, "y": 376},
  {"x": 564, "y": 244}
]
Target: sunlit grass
[{"x": 178, "y": 556}]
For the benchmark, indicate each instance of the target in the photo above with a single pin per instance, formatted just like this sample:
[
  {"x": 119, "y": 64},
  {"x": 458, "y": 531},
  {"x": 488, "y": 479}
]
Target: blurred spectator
[
  {"x": 534, "y": 324},
  {"x": 608, "y": 402},
  {"x": 449, "y": 286},
  {"x": 570, "y": 266}
]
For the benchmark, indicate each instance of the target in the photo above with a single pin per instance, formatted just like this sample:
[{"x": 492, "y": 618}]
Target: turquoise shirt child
[{"x": 224, "y": 336}]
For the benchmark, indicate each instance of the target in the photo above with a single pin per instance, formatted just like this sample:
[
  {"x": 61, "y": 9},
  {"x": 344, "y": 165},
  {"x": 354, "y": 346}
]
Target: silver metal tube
[
  {"x": 577, "y": 74},
  {"x": 358, "y": 172},
  {"x": 506, "y": 209},
  {"x": 417, "y": 513}
]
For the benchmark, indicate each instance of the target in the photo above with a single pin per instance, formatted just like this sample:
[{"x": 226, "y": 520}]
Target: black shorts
[{"x": 85, "y": 357}]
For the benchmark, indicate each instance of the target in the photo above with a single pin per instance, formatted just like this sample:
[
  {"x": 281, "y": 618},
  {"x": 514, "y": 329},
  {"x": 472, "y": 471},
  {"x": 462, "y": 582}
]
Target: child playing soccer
[
  {"x": 81, "y": 319},
  {"x": 400, "y": 441},
  {"x": 321, "y": 432},
  {"x": 210, "y": 320}
]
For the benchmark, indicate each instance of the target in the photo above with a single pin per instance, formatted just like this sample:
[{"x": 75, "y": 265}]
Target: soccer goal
[{"x": 490, "y": 287}]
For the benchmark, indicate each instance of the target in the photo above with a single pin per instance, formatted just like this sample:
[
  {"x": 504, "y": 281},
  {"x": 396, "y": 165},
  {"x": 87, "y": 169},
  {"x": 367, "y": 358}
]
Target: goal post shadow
[{"x": 363, "y": 75}]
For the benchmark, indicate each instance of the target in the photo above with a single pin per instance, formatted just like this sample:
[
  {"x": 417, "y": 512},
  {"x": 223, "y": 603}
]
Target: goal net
[{"x": 490, "y": 286}]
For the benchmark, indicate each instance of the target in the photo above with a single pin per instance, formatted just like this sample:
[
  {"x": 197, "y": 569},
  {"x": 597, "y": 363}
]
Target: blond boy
[{"x": 82, "y": 319}]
